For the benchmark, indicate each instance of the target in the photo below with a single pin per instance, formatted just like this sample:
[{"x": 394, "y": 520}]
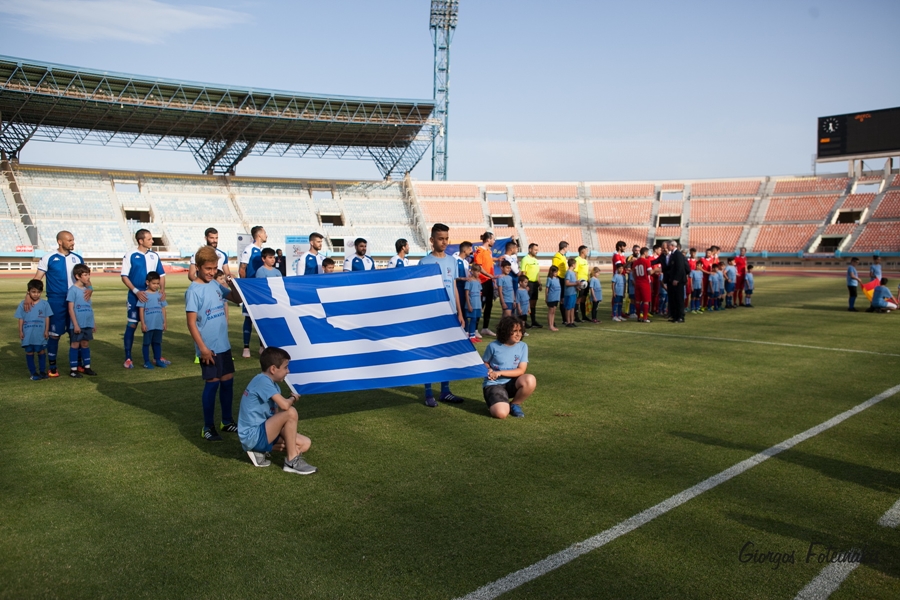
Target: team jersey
[
  {"x": 596, "y": 290},
  {"x": 252, "y": 257},
  {"x": 696, "y": 277},
  {"x": 473, "y": 291},
  {"x": 396, "y": 261},
  {"x": 513, "y": 262},
  {"x": 448, "y": 274},
  {"x": 880, "y": 296},
  {"x": 507, "y": 289},
  {"x": 531, "y": 267},
  {"x": 220, "y": 263},
  {"x": 875, "y": 272},
  {"x": 207, "y": 300},
  {"x": 153, "y": 311},
  {"x": 581, "y": 268},
  {"x": 264, "y": 272},
  {"x": 135, "y": 267},
  {"x": 559, "y": 261},
  {"x": 618, "y": 258},
  {"x": 618, "y": 284},
  {"x": 34, "y": 322},
  {"x": 748, "y": 281},
  {"x": 692, "y": 262},
  {"x": 462, "y": 266},
  {"x": 553, "y": 289},
  {"x": 359, "y": 263},
  {"x": 309, "y": 264},
  {"x": 523, "y": 300},
  {"x": 740, "y": 262},
  {"x": 58, "y": 269},
  {"x": 851, "y": 273},
  {"x": 731, "y": 273},
  {"x": 84, "y": 312},
  {"x": 641, "y": 268},
  {"x": 707, "y": 263},
  {"x": 570, "y": 290},
  {"x": 504, "y": 358},
  {"x": 256, "y": 408}
]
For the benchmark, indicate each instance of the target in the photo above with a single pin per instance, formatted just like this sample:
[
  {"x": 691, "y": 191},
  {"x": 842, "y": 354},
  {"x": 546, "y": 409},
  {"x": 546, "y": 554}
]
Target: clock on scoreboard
[{"x": 871, "y": 133}]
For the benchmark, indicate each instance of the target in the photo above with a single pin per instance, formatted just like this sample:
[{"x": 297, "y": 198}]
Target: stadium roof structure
[{"x": 220, "y": 125}]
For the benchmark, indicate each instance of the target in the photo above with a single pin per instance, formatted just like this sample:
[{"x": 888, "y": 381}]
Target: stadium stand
[
  {"x": 671, "y": 208},
  {"x": 457, "y": 212},
  {"x": 195, "y": 209},
  {"x": 857, "y": 201},
  {"x": 622, "y": 190},
  {"x": 879, "y": 237},
  {"x": 725, "y": 188},
  {"x": 549, "y": 213},
  {"x": 133, "y": 200},
  {"x": 608, "y": 236},
  {"x": 889, "y": 207},
  {"x": 811, "y": 184},
  {"x": 499, "y": 208},
  {"x": 837, "y": 229},
  {"x": 545, "y": 191},
  {"x": 800, "y": 208},
  {"x": 549, "y": 237},
  {"x": 672, "y": 187},
  {"x": 496, "y": 188},
  {"x": 63, "y": 203},
  {"x": 721, "y": 210},
  {"x": 725, "y": 237},
  {"x": 9, "y": 235},
  {"x": 92, "y": 238},
  {"x": 361, "y": 211},
  {"x": 668, "y": 232},
  {"x": 896, "y": 181},
  {"x": 784, "y": 238},
  {"x": 276, "y": 209},
  {"x": 622, "y": 212},
  {"x": 448, "y": 190}
]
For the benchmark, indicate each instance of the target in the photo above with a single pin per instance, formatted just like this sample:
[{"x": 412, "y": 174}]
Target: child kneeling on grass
[
  {"x": 267, "y": 420},
  {"x": 506, "y": 359}
]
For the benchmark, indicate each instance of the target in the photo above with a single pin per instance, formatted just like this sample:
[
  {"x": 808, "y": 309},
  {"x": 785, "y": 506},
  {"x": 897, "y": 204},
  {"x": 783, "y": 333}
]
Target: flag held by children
[
  {"x": 869, "y": 288},
  {"x": 362, "y": 330}
]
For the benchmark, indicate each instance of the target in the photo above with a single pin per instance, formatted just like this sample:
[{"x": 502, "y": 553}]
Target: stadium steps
[
  {"x": 876, "y": 202},
  {"x": 848, "y": 241},
  {"x": 415, "y": 211},
  {"x": 748, "y": 238},
  {"x": 588, "y": 220},
  {"x": 24, "y": 223},
  {"x": 654, "y": 211},
  {"x": 235, "y": 205},
  {"x": 685, "y": 213},
  {"x": 116, "y": 206}
]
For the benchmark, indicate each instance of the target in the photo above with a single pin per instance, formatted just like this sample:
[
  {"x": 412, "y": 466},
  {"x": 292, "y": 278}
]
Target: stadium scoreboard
[{"x": 869, "y": 134}]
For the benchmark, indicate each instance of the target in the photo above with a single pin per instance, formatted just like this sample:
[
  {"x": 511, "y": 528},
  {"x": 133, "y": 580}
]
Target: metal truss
[
  {"x": 220, "y": 126},
  {"x": 443, "y": 24}
]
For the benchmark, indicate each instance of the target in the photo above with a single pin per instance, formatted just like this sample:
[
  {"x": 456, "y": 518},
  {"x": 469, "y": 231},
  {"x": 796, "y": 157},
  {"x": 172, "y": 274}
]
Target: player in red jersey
[
  {"x": 643, "y": 271},
  {"x": 740, "y": 261},
  {"x": 692, "y": 262},
  {"x": 706, "y": 267}
]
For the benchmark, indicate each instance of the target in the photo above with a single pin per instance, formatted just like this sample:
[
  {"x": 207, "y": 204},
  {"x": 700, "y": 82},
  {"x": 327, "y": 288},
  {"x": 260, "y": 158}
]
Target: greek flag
[{"x": 362, "y": 330}]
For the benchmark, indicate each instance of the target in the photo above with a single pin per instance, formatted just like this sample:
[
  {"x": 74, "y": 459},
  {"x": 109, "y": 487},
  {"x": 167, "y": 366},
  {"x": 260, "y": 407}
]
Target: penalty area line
[
  {"x": 721, "y": 339},
  {"x": 554, "y": 561}
]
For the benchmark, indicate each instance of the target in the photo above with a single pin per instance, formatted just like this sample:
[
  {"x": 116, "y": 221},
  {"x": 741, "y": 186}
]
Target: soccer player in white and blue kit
[
  {"x": 251, "y": 261},
  {"x": 212, "y": 239},
  {"x": 440, "y": 238},
  {"x": 57, "y": 267},
  {"x": 135, "y": 267},
  {"x": 310, "y": 262},
  {"x": 400, "y": 260},
  {"x": 359, "y": 261}
]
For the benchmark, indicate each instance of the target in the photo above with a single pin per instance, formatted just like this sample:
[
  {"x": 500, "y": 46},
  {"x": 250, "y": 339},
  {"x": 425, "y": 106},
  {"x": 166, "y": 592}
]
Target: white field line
[
  {"x": 554, "y": 561},
  {"x": 831, "y": 577},
  {"x": 720, "y": 339},
  {"x": 827, "y": 581}
]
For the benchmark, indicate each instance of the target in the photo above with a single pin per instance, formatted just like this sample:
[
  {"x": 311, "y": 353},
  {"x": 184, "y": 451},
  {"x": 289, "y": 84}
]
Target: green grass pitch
[{"x": 108, "y": 489}]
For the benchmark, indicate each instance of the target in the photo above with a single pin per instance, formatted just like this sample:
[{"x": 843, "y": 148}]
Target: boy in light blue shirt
[
  {"x": 570, "y": 294},
  {"x": 853, "y": 281},
  {"x": 618, "y": 292},
  {"x": 596, "y": 291},
  {"x": 34, "y": 329},
  {"x": 152, "y": 315},
  {"x": 268, "y": 268},
  {"x": 472, "y": 290},
  {"x": 507, "y": 385},
  {"x": 523, "y": 300},
  {"x": 206, "y": 321},
  {"x": 696, "y": 287},
  {"x": 882, "y": 301},
  {"x": 875, "y": 269},
  {"x": 730, "y": 281},
  {"x": 553, "y": 292},
  {"x": 748, "y": 286},
  {"x": 81, "y": 314},
  {"x": 268, "y": 421},
  {"x": 507, "y": 288}
]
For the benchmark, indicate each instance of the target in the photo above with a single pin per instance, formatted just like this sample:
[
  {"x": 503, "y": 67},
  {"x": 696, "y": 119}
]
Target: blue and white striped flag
[{"x": 362, "y": 330}]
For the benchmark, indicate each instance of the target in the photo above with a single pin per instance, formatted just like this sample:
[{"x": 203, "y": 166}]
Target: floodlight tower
[{"x": 443, "y": 24}]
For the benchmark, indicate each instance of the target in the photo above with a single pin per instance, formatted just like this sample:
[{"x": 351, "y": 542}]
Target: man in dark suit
[{"x": 675, "y": 273}]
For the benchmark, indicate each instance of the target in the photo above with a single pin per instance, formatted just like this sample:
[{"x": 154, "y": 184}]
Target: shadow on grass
[
  {"x": 813, "y": 542},
  {"x": 877, "y": 479}
]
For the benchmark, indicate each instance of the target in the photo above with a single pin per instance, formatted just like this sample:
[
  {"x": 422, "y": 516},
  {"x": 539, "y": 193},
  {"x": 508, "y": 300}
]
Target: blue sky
[{"x": 540, "y": 91}]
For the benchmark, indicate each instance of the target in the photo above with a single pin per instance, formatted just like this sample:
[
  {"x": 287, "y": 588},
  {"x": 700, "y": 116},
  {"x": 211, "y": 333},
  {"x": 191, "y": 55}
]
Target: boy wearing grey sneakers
[{"x": 268, "y": 421}]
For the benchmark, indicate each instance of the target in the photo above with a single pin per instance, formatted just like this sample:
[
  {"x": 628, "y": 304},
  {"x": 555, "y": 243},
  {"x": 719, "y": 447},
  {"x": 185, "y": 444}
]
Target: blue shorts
[
  {"x": 729, "y": 287},
  {"x": 37, "y": 348},
  {"x": 131, "y": 309},
  {"x": 153, "y": 336},
  {"x": 223, "y": 364},
  {"x": 86, "y": 335},
  {"x": 473, "y": 314},
  {"x": 263, "y": 444},
  {"x": 569, "y": 302},
  {"x": 59, "y": 320},
  {"x": 749, "y": 292},
  {"x": 695, "y": 294}
]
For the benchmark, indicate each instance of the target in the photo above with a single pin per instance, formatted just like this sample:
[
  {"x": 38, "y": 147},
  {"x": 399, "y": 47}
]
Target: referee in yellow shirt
[{"x": 532, "y": 269}]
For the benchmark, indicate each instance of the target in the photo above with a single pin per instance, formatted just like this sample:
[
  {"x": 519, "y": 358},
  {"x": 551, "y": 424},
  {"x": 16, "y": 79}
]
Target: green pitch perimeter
[{"x": 109, "y": 491}]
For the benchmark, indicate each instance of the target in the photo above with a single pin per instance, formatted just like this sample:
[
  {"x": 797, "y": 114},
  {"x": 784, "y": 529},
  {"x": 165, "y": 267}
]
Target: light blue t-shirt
[
  {"x": 571, "y": 290},
  {"x": 504, "y": 358},
  {"x": 618, "y": 284},
  {"x": 448, "y": 274},
  {"x": 507, "y": 289},
  {"x": 208, "y": 301},
  {"x": 473, "y": 290},
  {"x": 880, "y": 295},
  {"x": 153, "y": 311},
  {"x": 523, "y": 300},
  {"x": 256, "y": 407},
  {"x": 264, "y": 272},
  {"x": 696, "y": 280},
  {"x": 875, "y": 272},
  {"x": 731, "y": 273},
  {"x": 748, "y": 281},
  {"x": 84, "y": 312},
  {"x": 34, "y": 322},
  {"x": 596, "y": 289},
  {"x": 553, "y": 289},
  {"x": 851, "y": 272}
]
